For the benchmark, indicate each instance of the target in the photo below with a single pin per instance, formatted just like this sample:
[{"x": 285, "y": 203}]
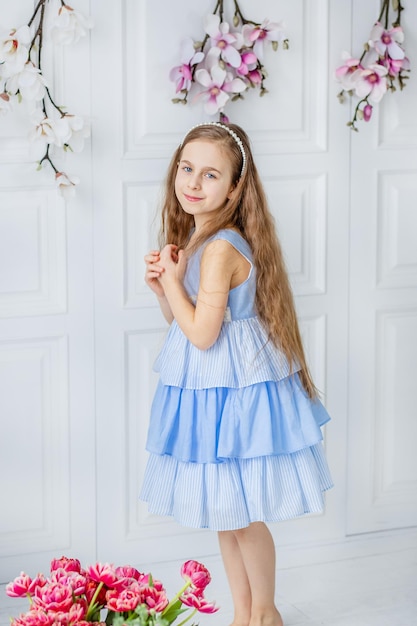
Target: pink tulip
[
  {"x": 196, "y": 599},
  {"x": 154, "y": 598},
  {"x": 19, "y": 587},
  {"x": 39, "y": 581},
  {"x": 125, "y": 600},
  {"x": 100, "y": 573},
  {"x": 75, "y": 581},
  {"x": 53, "y": 597},
  {"x": 196, "y": 573},
  {"x": 34, "y": 618},
  {"x": 127, "y": 571},
  {"x": 69, "y": 565}
]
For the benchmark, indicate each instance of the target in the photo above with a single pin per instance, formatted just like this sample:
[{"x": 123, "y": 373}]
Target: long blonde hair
[{"x": 247, "y": 211}]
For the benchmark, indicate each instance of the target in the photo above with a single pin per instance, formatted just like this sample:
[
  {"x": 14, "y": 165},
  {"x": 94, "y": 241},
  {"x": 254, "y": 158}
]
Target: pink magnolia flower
[
  {"x": 394, "y": 66},
  {"x": 19, "y": 587},
  {"x": 248, "y": 62},
  {"x": 372, "y": 82},
  {"x": 69, "y": 565},
  {"x": 218, "y": 85},
  {"x": 101, "y": 573},
  {"x": 125, "y": 600},
  {"x": 387, "y": 41},
  {"x": 182, "y": 74},
  {"x": 53, "y": 597},
  {"x": 224, "y": 44},
  {"x": 196, "y": 573},
  {"x": 348, "y": 73},
  {"x": 255, "y": 77},
  {"x": 257, "y": 35}
]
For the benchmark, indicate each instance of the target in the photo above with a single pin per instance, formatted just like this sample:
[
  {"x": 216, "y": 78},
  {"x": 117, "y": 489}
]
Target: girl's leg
[
  {"x": 258, "y": 555},
  {"x": 237, "y": 577}
]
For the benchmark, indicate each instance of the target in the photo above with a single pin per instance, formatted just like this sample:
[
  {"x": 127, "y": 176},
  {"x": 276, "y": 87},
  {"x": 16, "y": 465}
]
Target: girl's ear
[{"x": 231, "y": 192}]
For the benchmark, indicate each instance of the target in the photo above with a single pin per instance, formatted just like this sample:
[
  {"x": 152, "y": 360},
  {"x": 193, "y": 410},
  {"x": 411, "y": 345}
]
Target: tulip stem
[
  {"x": 92, "y": 605},
  {"x": 188, "y": 618},
  {"x": 176, "y": 597}
]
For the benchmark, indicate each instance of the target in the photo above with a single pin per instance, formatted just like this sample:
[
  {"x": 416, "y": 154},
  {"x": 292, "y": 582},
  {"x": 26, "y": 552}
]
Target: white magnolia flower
[
  {"x": 79, "y": 131},
  {"x": 30, "y": 83},
  {"x": 13, "y": 51},
  {"x": 48, "y": 131},
  {"x": 66, "y": 185},
  {"x": 69, "y": 25}
]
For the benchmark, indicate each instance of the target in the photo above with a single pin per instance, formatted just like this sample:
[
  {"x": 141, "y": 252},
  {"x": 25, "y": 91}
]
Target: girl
[{"x": 234, "y": 436}]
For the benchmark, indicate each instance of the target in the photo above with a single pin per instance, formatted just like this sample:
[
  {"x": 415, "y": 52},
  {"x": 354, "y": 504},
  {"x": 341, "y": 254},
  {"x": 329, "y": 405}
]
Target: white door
[{"x": 382, "y": 467}]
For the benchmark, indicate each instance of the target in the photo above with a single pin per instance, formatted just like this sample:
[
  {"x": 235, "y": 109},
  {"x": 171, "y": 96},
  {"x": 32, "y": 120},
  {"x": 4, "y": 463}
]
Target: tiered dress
[{"x": 233, "y": 436}]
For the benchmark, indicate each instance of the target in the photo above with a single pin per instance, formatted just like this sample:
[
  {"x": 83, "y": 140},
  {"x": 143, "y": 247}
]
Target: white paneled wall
[
  {"x": 79, "y": 330},
  {"x": 47, "y": 414}
]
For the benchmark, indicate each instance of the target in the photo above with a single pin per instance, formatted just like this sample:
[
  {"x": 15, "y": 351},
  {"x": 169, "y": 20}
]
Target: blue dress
[{"x": 233, "y": 436}]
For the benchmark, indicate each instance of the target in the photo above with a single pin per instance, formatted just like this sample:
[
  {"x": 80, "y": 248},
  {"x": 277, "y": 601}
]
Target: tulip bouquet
[
  {"x": 104, "y": 595},
  {"x": 22, "y": 80},
  {"x": 383, "y": 62},
  {"x": 227, "y": 62}
]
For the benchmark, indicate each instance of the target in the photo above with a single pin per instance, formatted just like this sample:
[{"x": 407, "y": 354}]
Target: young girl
[{"x": 234, "y": 436}]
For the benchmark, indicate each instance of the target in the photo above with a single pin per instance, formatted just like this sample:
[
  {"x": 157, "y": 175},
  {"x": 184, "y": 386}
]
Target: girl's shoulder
[{"x": 235, "y": 239}]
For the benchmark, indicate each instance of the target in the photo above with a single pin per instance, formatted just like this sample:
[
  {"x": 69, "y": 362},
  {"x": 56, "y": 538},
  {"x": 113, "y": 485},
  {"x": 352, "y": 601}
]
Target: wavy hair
[{"x": 247, "y": 211}]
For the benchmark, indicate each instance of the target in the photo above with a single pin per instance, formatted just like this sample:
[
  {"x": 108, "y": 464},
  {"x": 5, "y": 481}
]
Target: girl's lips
[{"x": 191, "y": 198}]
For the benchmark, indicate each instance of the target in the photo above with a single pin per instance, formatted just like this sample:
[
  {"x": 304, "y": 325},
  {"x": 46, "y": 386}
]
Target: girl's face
[{"x": 204, "y": 180}]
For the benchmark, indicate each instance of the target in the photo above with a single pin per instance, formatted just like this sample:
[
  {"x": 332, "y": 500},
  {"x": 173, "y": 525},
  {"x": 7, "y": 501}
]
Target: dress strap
[{"x": 236, "y": 240}]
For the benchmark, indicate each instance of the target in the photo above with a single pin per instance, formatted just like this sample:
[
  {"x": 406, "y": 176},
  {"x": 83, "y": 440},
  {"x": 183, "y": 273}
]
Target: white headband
[{"x": 231, "y": 133}]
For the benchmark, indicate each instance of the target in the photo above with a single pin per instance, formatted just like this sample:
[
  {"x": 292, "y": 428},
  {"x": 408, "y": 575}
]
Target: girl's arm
[
  {"x": 200, "y": 323},
  {"x": 153, "y": 272}
]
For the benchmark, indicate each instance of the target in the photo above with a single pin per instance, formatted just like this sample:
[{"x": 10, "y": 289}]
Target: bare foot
[{"x": 271, "y": 619}]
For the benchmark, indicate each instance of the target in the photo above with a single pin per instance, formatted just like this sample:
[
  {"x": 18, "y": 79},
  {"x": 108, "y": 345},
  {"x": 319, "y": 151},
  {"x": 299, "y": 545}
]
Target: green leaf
[{"x": 173, "y": 611}]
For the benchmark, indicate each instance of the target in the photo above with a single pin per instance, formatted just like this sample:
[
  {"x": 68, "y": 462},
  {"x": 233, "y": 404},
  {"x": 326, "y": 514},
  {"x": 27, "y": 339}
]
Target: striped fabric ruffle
[
  {"x": 233, "y": 494},
  {"x": 241, "y": 356}
]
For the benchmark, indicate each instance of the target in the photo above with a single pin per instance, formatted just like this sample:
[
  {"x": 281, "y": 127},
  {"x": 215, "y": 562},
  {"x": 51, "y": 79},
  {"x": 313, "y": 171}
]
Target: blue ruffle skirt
[{"x": 222, "y": 458}]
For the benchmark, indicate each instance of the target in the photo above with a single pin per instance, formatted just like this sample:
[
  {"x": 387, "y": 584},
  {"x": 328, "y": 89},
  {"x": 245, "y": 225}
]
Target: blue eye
[
  {"x": 210, "y": 175},
  {"x": 187, "y": 168}
]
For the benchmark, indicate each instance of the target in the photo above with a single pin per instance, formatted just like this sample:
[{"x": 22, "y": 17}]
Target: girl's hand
[
  {"x": 153, "y": 273},
  {"x": 173, "y": 262}
]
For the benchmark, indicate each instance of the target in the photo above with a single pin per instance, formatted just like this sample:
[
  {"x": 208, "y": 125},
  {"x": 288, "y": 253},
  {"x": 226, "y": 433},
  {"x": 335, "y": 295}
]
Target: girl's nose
[{"x": 194, "y": 181}]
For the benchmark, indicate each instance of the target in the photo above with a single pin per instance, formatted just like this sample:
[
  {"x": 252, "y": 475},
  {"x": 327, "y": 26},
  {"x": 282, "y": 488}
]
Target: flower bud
[{"x": 367, "y": 112}]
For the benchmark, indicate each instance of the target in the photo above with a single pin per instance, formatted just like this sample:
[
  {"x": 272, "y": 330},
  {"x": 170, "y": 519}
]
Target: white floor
[
  {"x": 369, "y": 591},
  {"x": 378, "y": 590}
]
